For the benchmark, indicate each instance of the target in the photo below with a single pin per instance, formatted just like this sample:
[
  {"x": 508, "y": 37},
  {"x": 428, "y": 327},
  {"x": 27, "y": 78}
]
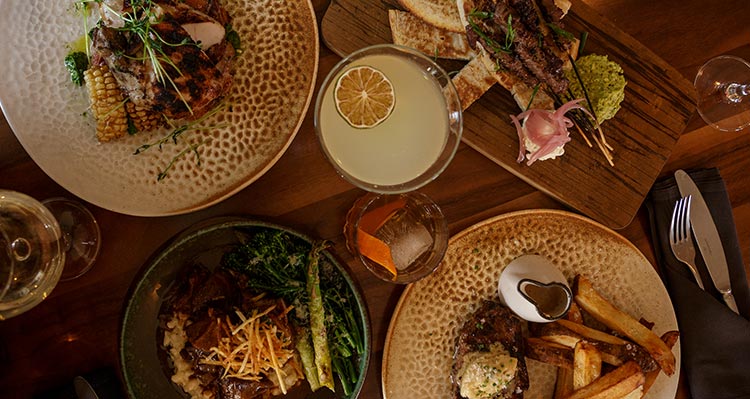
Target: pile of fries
[{"x": 612, "y": 356}]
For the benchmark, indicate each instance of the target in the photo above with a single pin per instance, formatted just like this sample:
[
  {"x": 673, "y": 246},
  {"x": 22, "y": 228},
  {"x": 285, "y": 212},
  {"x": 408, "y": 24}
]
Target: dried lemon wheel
[{"x": 364, "y": 97}]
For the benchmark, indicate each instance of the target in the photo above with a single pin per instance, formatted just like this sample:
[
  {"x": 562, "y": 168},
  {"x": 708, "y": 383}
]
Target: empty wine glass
[
  {"x": 35, "y": 246},
  {"x": 723, "y": 86}
]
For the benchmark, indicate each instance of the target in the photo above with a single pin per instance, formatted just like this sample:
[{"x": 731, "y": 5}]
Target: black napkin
[{"x": 715, "y": 341}]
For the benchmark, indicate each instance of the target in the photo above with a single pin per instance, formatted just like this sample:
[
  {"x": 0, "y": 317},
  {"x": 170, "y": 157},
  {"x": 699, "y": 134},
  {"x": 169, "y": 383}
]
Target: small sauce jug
[{"x": 534, "y": 289}]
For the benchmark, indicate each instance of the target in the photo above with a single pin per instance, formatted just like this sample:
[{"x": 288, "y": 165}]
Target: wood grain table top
[{"x": 75, "y": 330}]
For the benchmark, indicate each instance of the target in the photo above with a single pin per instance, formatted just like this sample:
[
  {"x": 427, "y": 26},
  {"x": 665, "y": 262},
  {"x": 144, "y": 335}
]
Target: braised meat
[{"x": 491, "y": 326}]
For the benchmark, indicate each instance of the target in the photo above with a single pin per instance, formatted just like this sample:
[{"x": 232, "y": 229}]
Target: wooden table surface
[{"x": 75, "y": 330}]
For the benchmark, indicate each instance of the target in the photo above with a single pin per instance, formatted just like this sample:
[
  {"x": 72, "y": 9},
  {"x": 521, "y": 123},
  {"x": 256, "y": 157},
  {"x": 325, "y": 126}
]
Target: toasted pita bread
[
  {"x": 472, "y": 81},
  {"x": 410, "y": 30},
  {"x": 439, "y": 13}
]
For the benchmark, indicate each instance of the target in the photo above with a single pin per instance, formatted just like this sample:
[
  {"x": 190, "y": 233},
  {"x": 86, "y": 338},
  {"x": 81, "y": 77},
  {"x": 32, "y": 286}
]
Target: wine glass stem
[
  {"x": 21, "y": 249},
  {"x": 736, "y": 92}
]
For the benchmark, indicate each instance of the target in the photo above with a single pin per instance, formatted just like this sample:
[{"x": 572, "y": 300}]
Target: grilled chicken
[{"x": 181, "y": 69}]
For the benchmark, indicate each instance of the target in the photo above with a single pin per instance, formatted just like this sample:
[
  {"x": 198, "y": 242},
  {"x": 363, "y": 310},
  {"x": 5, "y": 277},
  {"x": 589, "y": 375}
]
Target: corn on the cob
[
  {"x": 144, "y": 119},
  {"x": 107, "y": 103}
]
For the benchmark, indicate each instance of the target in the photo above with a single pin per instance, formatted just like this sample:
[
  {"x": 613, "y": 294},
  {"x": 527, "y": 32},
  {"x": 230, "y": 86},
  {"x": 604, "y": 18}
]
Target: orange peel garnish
[
  {"x": 372, "y": 247},
  {"x": 376, "y": 250}
]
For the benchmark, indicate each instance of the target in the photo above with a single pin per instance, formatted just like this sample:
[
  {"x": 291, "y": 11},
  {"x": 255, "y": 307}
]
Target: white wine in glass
[
  {"x": 33, "y": 249},
  {"x": 723, "y": 86}
]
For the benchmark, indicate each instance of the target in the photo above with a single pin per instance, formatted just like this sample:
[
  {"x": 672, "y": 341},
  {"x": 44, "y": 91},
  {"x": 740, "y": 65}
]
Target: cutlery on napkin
[{"x": 715, "y": 341}]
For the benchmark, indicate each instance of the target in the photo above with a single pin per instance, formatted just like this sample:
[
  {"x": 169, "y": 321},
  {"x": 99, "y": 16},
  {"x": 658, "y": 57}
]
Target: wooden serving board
[{"x": 658, "y": 103}]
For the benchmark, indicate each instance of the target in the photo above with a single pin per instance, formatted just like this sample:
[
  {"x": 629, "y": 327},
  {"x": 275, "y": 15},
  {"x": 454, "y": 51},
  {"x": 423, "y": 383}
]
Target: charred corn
[
  {"x": 143, "y": 119},
  {"x": 107, "y": 103}
]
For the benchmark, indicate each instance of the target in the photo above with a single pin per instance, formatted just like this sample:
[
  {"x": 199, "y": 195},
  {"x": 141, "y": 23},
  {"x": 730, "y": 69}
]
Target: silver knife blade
[{"x": 707, "y": 237}]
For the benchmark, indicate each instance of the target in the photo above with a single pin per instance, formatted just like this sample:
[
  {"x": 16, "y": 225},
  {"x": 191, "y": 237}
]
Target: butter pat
[{"x": 485, "y": 375}]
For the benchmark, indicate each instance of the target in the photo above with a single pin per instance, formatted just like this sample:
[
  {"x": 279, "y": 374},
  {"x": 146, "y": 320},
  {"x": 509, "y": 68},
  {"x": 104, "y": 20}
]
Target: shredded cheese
[{"x": 253, "y": 349}]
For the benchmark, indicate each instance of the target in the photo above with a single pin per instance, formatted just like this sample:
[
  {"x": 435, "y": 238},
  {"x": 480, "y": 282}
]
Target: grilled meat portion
[
  {"x": 491, "y": 324},
  {"x": 159, "y": 66},
  {"x": 517, "y": 34}
]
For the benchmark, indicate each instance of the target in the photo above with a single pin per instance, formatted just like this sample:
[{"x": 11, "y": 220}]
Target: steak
[
  {"x": 517, "y": 35},
  {"x": 491, "y": 324}
]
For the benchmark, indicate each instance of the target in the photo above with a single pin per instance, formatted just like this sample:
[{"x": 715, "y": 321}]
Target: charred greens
[{"x": 324, "y": 305}]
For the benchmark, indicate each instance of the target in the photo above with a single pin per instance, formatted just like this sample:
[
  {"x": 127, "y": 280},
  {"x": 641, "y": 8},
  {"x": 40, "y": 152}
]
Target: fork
[{"x": 680, "y": 239}]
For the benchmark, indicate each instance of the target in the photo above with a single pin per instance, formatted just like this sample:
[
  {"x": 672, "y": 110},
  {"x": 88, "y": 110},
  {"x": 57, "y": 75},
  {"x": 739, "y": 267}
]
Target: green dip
[{"x": 604, "y": 82}]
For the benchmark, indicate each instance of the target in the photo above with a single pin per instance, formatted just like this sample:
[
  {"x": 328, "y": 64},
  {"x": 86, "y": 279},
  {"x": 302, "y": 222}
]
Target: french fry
[
  {"x": 614, "y": 351},
  {"x": 616, "y": 384},
  {"x": 549, "y": 352},
  {"x": 590, "y": 333},
  {"x": 601, "y": 309},
  {"x": 669, "y": 338},
  {"x": 564, "y": 383},
  {"x": 635, "y": 394},
  {"x": 574, "y": 314},
  {"x": 587, "y": 364}
]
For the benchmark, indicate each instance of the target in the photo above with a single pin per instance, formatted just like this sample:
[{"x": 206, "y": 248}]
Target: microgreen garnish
[
  {"x": 234, "y": 39},
  {"x": 560, "y": 31},
  {"x": 584, "y": 36},
  {"x": 139, "y": 22},
  {"x": 190, "y": 148},
  {"x": 510, "y": 33},
  {"x": 177, "y": 132},
  {"x": 533, "y": 94}
]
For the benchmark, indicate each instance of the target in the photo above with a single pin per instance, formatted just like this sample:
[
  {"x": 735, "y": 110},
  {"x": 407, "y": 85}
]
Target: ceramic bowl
[{"x": 140, "y": 359}]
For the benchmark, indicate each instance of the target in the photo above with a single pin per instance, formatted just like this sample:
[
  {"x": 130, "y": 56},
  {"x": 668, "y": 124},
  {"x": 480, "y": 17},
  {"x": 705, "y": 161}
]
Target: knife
[{"x": 707, "y": 237}]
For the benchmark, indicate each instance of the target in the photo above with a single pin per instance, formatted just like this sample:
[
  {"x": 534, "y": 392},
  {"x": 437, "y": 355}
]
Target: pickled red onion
[{"x": 546, "y": 129}]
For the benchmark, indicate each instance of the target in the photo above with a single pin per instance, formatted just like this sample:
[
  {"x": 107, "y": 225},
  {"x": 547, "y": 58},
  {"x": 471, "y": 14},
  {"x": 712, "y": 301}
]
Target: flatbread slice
[
  {"x": 439, "y": 13},
  {"x": 409, "y": 30},
  {"x": 472, "y": 81}
]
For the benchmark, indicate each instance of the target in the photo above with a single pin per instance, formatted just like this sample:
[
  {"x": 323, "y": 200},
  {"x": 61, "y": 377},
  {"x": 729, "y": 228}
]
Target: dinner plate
[
  {"x": 421, "y": 337},
  {"x": 274, "y": 79},
  {"x": 140, "y": 357}
]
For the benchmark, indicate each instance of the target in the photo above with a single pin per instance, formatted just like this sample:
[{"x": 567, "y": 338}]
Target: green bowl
[{"x": 140, "y": 360}]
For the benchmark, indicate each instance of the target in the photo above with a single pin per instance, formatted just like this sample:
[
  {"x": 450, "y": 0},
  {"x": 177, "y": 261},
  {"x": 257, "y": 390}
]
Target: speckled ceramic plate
[
  {"x": 273, "y": 85},
  {"x": 142, "y": 370},
  {"x": 421, "y": 337}
]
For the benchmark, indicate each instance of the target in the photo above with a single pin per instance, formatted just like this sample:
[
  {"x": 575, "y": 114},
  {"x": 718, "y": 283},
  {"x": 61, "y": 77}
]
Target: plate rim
[
  {"x": 220, "y": 195},
  {"x": 489, "y": 221}
]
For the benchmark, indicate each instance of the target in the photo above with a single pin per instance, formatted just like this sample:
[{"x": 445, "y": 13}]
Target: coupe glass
[
  {"x": 402, "y": 229},
  {"x": 418, "y": 139},
  {"x": 723, "y": 86},
  {"x": 33, "y": 248}
]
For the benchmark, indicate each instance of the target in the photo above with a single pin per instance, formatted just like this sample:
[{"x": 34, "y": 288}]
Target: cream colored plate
[
  {"x": 420, "y": 341},
  {"x": 273, "y": 85}
]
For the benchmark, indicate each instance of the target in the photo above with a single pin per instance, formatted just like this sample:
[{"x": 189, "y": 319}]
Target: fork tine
[
  {"x": 685, "y": 217},
  {"x": 673, "y": 224},
  {"x": 687, "y": 214}
]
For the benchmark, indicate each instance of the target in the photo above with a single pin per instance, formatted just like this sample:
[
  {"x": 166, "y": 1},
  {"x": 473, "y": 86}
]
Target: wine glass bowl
[
  {"x": 80, "y": 233},
  {"x": 31, "y": 258},
  {"x": 723, "y": 88},
  {"x": 41, "y": 243}
]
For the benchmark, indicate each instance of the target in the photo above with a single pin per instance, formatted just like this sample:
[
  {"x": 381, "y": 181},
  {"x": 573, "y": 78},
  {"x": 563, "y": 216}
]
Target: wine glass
[
  {"x": 35, "y": 246},
  {"x": 390, "y": 138},
  {"x": 723, "y": 86}
]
